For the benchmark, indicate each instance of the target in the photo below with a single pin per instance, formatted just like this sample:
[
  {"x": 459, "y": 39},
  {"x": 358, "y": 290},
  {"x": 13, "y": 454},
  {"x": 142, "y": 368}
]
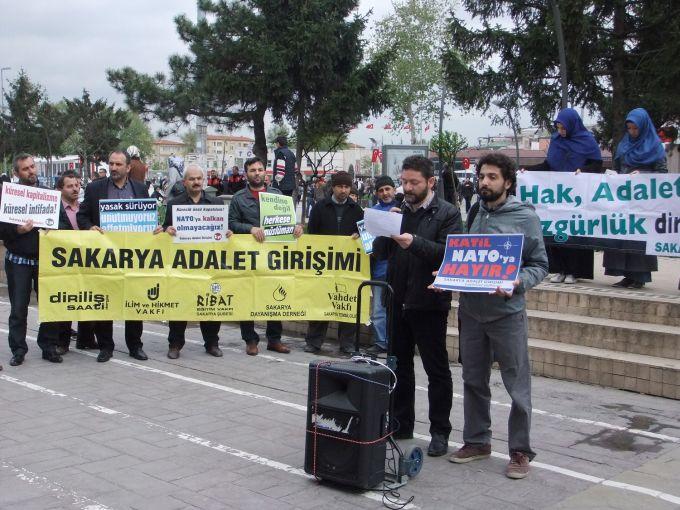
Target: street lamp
[{"x": 2, "y": 88}]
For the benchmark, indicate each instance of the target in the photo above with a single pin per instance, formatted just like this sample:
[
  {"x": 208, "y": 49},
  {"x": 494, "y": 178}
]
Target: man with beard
[
  {"x": 193, "y": 195},
  {"x": 116, "y": 186},
  {"x": 493, "y": 327},
  {"x": 21, "y": 268},
  {"x": 244, "y": 218},
  {"x": 419, "y": 314}
]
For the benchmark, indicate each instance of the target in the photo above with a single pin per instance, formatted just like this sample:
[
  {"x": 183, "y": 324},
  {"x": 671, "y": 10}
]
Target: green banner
[{"x": 277, "y": 217}]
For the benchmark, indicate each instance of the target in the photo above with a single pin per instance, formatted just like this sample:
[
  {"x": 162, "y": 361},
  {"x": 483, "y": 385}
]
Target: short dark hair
[
  {"x": 18, "y": 159},
  {"x": 506, "y": 165},
  {"x": 281, "y": 140},
  {"x": 120, "y": 151},
  {"x": 67, "y": 174},
  {"x": 419, "y": 164},
  {"x": 252, "y": 161}
]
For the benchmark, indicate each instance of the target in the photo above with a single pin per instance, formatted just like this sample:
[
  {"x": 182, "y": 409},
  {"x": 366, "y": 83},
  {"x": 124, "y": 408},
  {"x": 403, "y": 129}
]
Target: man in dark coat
[
  {"x": 21, "y": 268},
  {"x": 419, "y": 314},
  {"x": 336, "y": 215},
  {"x": 116, "y": 186},
  {"x": 284, "y": 179}
]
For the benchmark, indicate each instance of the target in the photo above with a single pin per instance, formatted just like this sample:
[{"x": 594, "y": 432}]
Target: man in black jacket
[
  {"x": 336, "y": 215},
  {"x": 193, "y": 195},
  {"x": 419, "y": 314},
  {"x": 284, "y": 179},
  {"x": 116, "y": 186},
  {"x": 21, "y": 268}
]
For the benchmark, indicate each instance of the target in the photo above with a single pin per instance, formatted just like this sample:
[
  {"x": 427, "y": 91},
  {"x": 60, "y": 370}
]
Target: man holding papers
[
  {"x": 194, "y": 195},
  {"x": 419, "y": 313},
  {"x": 493, "y": 327}
]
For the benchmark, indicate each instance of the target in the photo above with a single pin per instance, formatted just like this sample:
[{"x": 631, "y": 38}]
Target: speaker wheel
[{"x": 413, "y": 460}]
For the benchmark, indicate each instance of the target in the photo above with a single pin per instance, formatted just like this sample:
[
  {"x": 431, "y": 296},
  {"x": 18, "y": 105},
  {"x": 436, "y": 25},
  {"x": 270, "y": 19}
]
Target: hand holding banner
[{"x": 480, "y": 262}]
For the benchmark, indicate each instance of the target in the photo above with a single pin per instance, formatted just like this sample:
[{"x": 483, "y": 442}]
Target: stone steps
[
  {"x": 651, "y": 375},
  {"x": 617, "y": 335}
]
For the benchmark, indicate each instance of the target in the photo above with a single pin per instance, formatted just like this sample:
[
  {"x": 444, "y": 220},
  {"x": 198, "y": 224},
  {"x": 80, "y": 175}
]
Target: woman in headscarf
[
  {"x": 572, "y": 149},
  {"x": 639, "y": 151}
]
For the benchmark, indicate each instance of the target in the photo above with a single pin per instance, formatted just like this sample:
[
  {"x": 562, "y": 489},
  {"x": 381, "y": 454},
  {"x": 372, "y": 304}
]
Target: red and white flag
[
  {"x": 369, "y": 126},
  {"x": 387, "y": 126},
  {"x": 427, "y": 128},
  {"x": 407, "y": 127}
]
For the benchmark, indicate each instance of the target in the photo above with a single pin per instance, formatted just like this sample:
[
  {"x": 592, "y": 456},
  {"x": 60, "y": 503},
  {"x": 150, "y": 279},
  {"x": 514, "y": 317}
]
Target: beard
[
  {"x": 488, "y": 195},
  {"x": 413, "y": 198}
]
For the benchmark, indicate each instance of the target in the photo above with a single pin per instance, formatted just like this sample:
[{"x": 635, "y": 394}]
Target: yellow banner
[{"x": 140, "y": 276}]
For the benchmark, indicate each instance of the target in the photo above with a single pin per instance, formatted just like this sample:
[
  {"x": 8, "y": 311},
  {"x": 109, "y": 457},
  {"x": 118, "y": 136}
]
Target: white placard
[
  {"x": 382, "y": 223},
  {"x": 22, "y": 203},
  {"x": 200, "y": 223}
]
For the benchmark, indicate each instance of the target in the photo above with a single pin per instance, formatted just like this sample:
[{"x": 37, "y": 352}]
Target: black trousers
[
  {"x": 273, "y": 332},
  {"x": 85, "y": 333},
  {"x": 316, "y": 334},
  {"x": 427, "y": 330},
  {"x": 209, "y": 330},
  {"x": 21, "y": 279},
  {"x": 104, "y": 332}
]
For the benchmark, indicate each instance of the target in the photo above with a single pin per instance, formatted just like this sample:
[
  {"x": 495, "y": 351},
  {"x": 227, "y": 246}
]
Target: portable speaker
[{"x": 347, "y": 414}]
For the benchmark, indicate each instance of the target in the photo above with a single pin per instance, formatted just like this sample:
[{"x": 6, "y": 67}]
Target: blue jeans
[{"x": 379, "y": 318}]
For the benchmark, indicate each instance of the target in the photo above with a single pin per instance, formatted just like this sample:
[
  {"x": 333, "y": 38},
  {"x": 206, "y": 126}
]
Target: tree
[
  {"x": 414, "y": 32},
  {"x": 20, "y": 131},
  {"x": 96, "y": 128},
  {"x": 137, "y": 133},
  {"x": 619, "y": 55},
  {"x": 190, "y": 138},
  {"x": 279, "y": 129},
  {"x": 448, "y": 144}
]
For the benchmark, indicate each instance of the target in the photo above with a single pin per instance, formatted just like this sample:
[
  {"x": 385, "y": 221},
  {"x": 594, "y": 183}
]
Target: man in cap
[{"x": 336, "y": 215}]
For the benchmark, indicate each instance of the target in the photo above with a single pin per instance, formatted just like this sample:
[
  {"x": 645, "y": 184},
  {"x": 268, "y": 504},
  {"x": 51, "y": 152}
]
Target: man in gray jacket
[
  {"x": 244, "y": 218},
  {"x": 493, "y": 327}
]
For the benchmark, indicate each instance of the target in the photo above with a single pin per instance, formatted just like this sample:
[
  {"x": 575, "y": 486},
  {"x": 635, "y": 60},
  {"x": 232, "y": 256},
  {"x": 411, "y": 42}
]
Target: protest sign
[
  {"x": 22, "y": 203},
  {"x": 128, "y": 215},
  {"x": 200, "y": 223},
  {"x": 85, "y": 275},
  {"x": 366, "y": 238},
  {"x": 635, "y": 213},
  {"x": 277, "y": 217},
  {"x": 480, "y": 262}
]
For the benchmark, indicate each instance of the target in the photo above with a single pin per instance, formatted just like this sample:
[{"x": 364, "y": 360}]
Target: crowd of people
[{"x": 492, "y": 327}]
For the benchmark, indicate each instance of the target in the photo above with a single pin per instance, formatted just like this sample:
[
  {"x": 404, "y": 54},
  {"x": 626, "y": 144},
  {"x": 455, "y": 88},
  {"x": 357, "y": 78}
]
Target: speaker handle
[{"x": 388, "y": 299}]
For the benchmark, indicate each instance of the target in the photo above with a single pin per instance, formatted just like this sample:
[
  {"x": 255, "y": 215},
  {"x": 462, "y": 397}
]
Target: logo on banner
[
  {"x": 83, "y": 300},
  {"x": 154, "y": 292},
  {"x": 214, "y": 303},
  {"x": 340, "y": 299},
  {"x": 279, "y": 294}
]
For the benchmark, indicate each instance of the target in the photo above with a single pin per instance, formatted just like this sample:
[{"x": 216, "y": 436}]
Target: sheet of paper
[{"x": 382, "y": 223}]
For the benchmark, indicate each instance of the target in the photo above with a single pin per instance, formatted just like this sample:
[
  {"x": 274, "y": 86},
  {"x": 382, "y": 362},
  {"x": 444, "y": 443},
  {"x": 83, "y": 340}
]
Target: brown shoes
[
  {"x": 251, "y": 349},
  {"x": 518, "y": 467},
  {"x": 278, "y": 347},
  {"x": 470, "y": 452},
  {"x": 173, "y": 353}
]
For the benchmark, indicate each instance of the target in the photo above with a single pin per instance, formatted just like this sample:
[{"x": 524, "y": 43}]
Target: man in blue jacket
[
  {"x": 384, "y": 192},
  {"x": 493, "y": 327}
]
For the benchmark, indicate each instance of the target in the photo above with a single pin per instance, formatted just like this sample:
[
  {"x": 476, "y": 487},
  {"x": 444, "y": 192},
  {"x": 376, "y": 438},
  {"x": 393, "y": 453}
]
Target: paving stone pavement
[{"x": 221, "y": 433}]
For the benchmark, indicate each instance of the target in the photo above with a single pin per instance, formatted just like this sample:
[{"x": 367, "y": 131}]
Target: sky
[{"x": 67, "y": 46}]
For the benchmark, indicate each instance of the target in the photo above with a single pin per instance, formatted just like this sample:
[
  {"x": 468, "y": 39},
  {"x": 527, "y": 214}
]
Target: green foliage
[
  {"x": 620, "y": 55},
  {"x": 448, "y": 144},
  {"x": 414, "y": 33},
  {"x": 190, "y": 139},
  {"x": 95, "y": 127},
  {"x": 137, "y": 133},
  {"x": 280, "y": 129}
]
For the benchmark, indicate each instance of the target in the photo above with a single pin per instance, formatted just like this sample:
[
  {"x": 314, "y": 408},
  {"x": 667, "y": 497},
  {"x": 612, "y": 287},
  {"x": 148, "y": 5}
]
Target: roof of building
[
  {"x": 168, "y": 142},
  {"x": 231, "y": 138}
]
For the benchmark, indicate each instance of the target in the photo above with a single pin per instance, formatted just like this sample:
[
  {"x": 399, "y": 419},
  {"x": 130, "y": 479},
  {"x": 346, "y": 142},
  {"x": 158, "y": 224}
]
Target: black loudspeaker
[{"x": 347, "y": 415}]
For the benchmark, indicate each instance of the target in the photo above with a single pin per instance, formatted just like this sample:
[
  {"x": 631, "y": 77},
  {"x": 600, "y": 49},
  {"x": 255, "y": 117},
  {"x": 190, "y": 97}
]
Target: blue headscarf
[
  {"x": 646, "y": 149},
  {"x": 566, "y": 154}
]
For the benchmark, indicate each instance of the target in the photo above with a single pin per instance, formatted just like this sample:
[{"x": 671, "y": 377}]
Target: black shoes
[
  {"x": 16, "y": 360},
  {"x": 375, "y": 350},
  {"x": 403, "y": 434},
  {"x": 173, "y": 352},
  {"x": 52, "y": 357},
  {"x": 439, "y": 445},
  {"x": 104, "y": 356},
  {"x": 629, "y": 283},
  {"x": 139, "y": 354},
  {"x": 87, "y": 345},
  {"x": 213, "y": 350},
  {"x": 312, "y": 349},
  {"x": 61, "y": 349}
]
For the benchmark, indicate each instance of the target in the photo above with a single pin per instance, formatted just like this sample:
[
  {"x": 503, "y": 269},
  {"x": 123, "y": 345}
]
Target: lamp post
[{"x": 2, "y": 88}]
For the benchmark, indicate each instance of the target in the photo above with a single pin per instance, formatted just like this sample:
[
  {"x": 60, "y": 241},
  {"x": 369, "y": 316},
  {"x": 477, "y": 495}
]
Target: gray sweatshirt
[{"x": 512, "y": 217}]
